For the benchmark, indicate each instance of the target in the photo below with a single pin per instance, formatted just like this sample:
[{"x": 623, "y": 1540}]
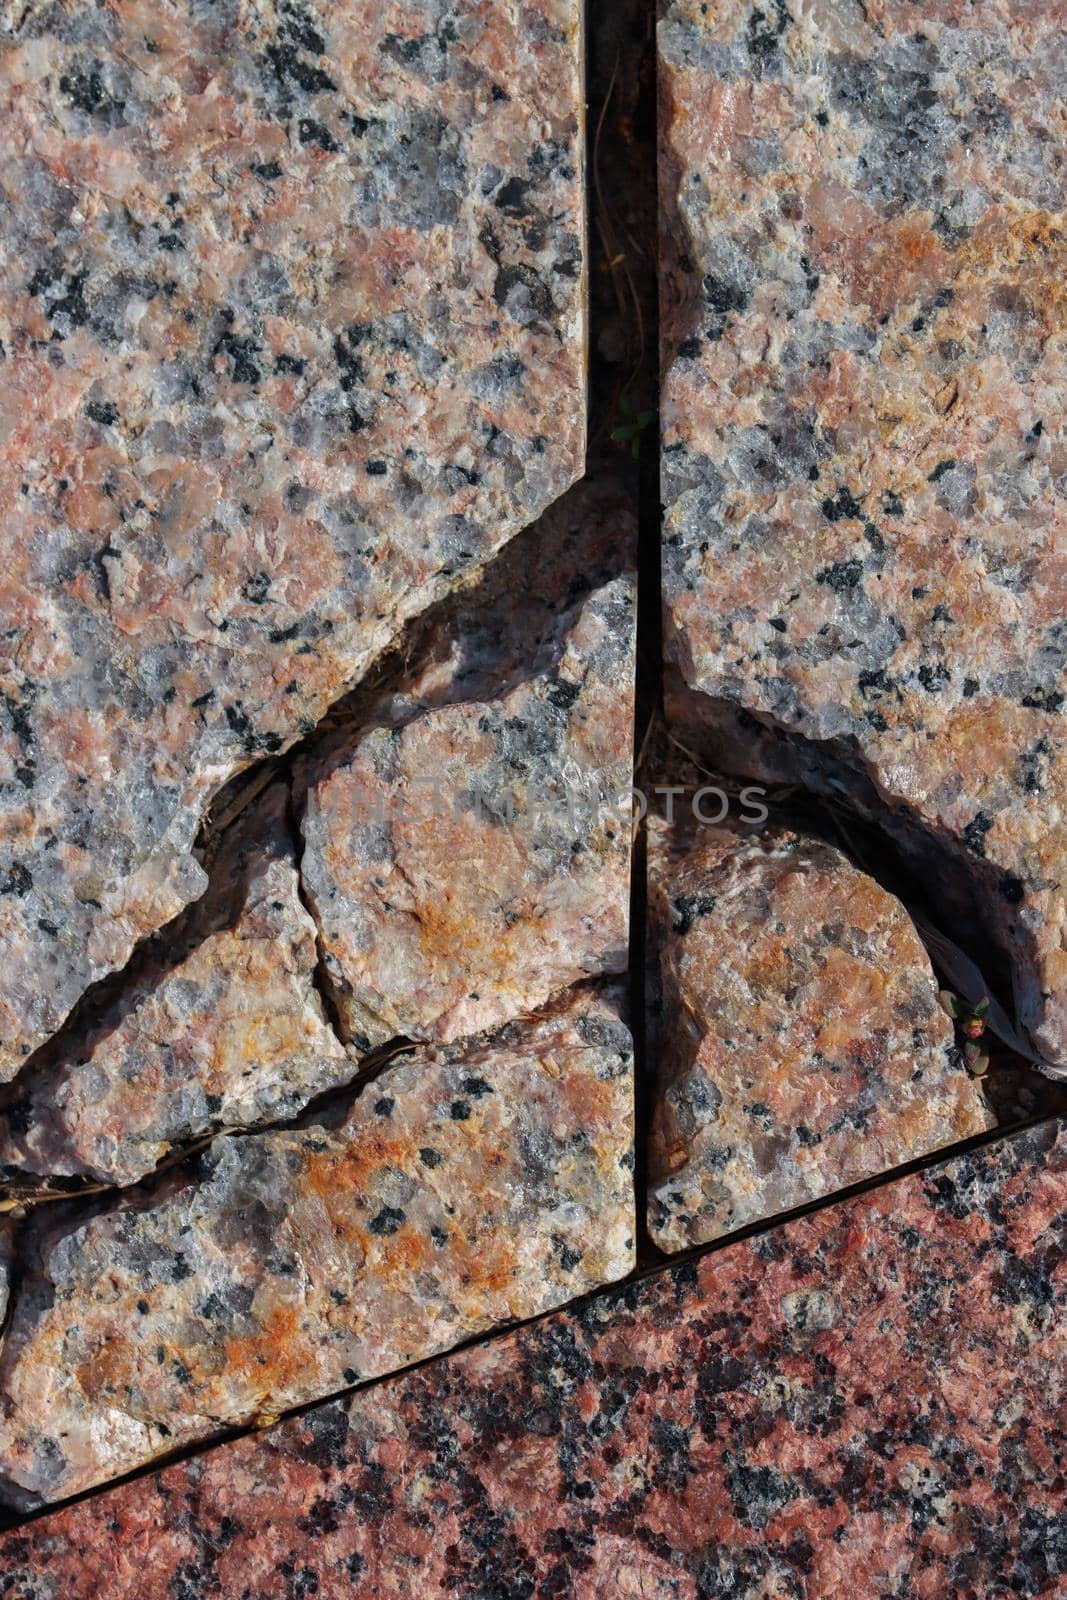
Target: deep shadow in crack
[
  {"x": 501, "y": 628},
  {"x": 625, "y": 393},
  {"x": 953, "y": 887}
]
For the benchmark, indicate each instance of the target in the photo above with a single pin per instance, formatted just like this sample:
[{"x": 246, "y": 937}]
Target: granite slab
[
  {"x": 292, "y": 329},
  {"x": 459, "y": 1190},
  {"x": 801, "y": 1045},
  {"x": 863, "y": 425},
  {"x": 867, "y": 1402}
]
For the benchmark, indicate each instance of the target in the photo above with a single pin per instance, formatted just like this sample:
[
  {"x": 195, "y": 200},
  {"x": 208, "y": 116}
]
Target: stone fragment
[
  {"x": 461, "y": 1189},
  {"x": 863, "y": 423},
  {"x": 7, "y": 1261},
  {"x": 291, "y": 306},
  {"x": 866, "y": 1402},
  {"x": 802, "y": 1046},
  {"x": 232, "y": 1034},
  {"x": 469, "y": 856}
]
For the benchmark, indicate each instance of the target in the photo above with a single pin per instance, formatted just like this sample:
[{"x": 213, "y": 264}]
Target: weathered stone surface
[
  {"x": 462, "y": 1188},
  {"x": 864, "y": 413},
  {"x": 470, "y": 856},
  {"x": 7, "y": 1258},
  {"x": 234, "y": 1034},
  {"x": 867, "y": 1403},
  {"x": 291, "y": 309},
  {"x": 802, "y": 1046}
]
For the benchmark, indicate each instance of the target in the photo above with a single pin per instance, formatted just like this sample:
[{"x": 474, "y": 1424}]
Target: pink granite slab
[
  {"x": 292, "y": 327},
  {"x": 224, "y": 1026},
  {"x": 801, "y": 1042},
  {"x": 469, "y": 856},
  {"x": 863, "y": 425},
  {"x": 867, "y": 1402},
  {"x": 459, "y": 1190}
]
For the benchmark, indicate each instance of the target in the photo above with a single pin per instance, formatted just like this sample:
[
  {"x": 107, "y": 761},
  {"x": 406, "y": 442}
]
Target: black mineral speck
[
  {"x": 102, "y": 411},
  {"x": 842, "y": 575},
  {"x": 842, "y": 504},
  {"x": 387, "y": 1221}
]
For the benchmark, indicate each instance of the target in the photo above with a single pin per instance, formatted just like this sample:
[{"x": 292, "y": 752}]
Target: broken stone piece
[
  {"x": 461, "y": 1189},
  {"x": 292, "y": 313},
  {"x": 233, "y": 1034},
  {"x": 7, "y": 1261},
  {"x": 471, "y": 858},
  {"x": 871, "y": 1393},
  {"x": 863, "y": 419},
  {"x": 802, "y": 1043}
]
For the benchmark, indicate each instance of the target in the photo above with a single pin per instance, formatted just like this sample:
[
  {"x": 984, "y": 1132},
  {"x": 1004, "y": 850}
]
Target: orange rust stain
[
  {"x": 591, "y": 1100},
  {"x": 276, "y": 1349},
  {"x": 404, "y": 1252},
  {"x": 352, "y": 1170}
]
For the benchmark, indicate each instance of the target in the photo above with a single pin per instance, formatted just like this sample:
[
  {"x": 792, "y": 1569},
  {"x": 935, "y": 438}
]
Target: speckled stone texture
[
  {"x": 470, "y": 856},
  {"x": 801, "y": 1045},
  {"x": 291, "y": 313},
  {"x": 865, "y": 1403},
  {"x": 864, "y": 419},
  {"x": 460, "y": 1190},
  {"x": 7, "y": 1259},
  {"x": 234, "y": 1034}
]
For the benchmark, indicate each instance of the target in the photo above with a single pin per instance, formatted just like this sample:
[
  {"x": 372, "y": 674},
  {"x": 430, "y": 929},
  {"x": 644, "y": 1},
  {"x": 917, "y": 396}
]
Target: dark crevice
[
  {"x": 1014, "y": 1090},
  {"x": 66, "y": 1203},
  {"x": 320, "y": 976},
  {"x": 827, "y": 789},
  {"x": 11, "y": 1256},
  {"x": 104, "y": 1004},
  {"x": 624, "y": 395},
  {"x": 557, "y": 537},
  {"x": 649, "y": 706}
]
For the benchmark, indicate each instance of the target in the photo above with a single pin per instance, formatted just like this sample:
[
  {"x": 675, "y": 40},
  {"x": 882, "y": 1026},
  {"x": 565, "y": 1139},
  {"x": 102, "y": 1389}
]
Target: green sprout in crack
[
  {"x": 971, "y": 1021},
  {"x": 631, "y": 426}
]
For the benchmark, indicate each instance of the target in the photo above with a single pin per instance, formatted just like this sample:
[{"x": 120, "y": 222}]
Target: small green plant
[
  {"x": 976, "y": 1058},
  {"x": 631, "y": 426},
  {"x": 971, "y": 1022}
]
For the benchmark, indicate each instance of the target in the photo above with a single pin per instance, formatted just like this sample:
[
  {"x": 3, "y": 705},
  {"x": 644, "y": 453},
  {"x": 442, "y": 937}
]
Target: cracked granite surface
[
  {"x": 467, "y": 863},
  {"x": 291, "y": 315},
  {"x": 410, "y": 865},
  {"x": 460, "y": 1189},
  {"x": 863, "y": 424},
  {"x": 801, "y": 1044},
  {"x": 864, "y": 1402},
  {"x": 233, "y": 1033}
]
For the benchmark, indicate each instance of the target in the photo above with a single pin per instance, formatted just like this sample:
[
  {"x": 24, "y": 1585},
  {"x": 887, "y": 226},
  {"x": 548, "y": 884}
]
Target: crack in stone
[{"x": 743, "y": 743}]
